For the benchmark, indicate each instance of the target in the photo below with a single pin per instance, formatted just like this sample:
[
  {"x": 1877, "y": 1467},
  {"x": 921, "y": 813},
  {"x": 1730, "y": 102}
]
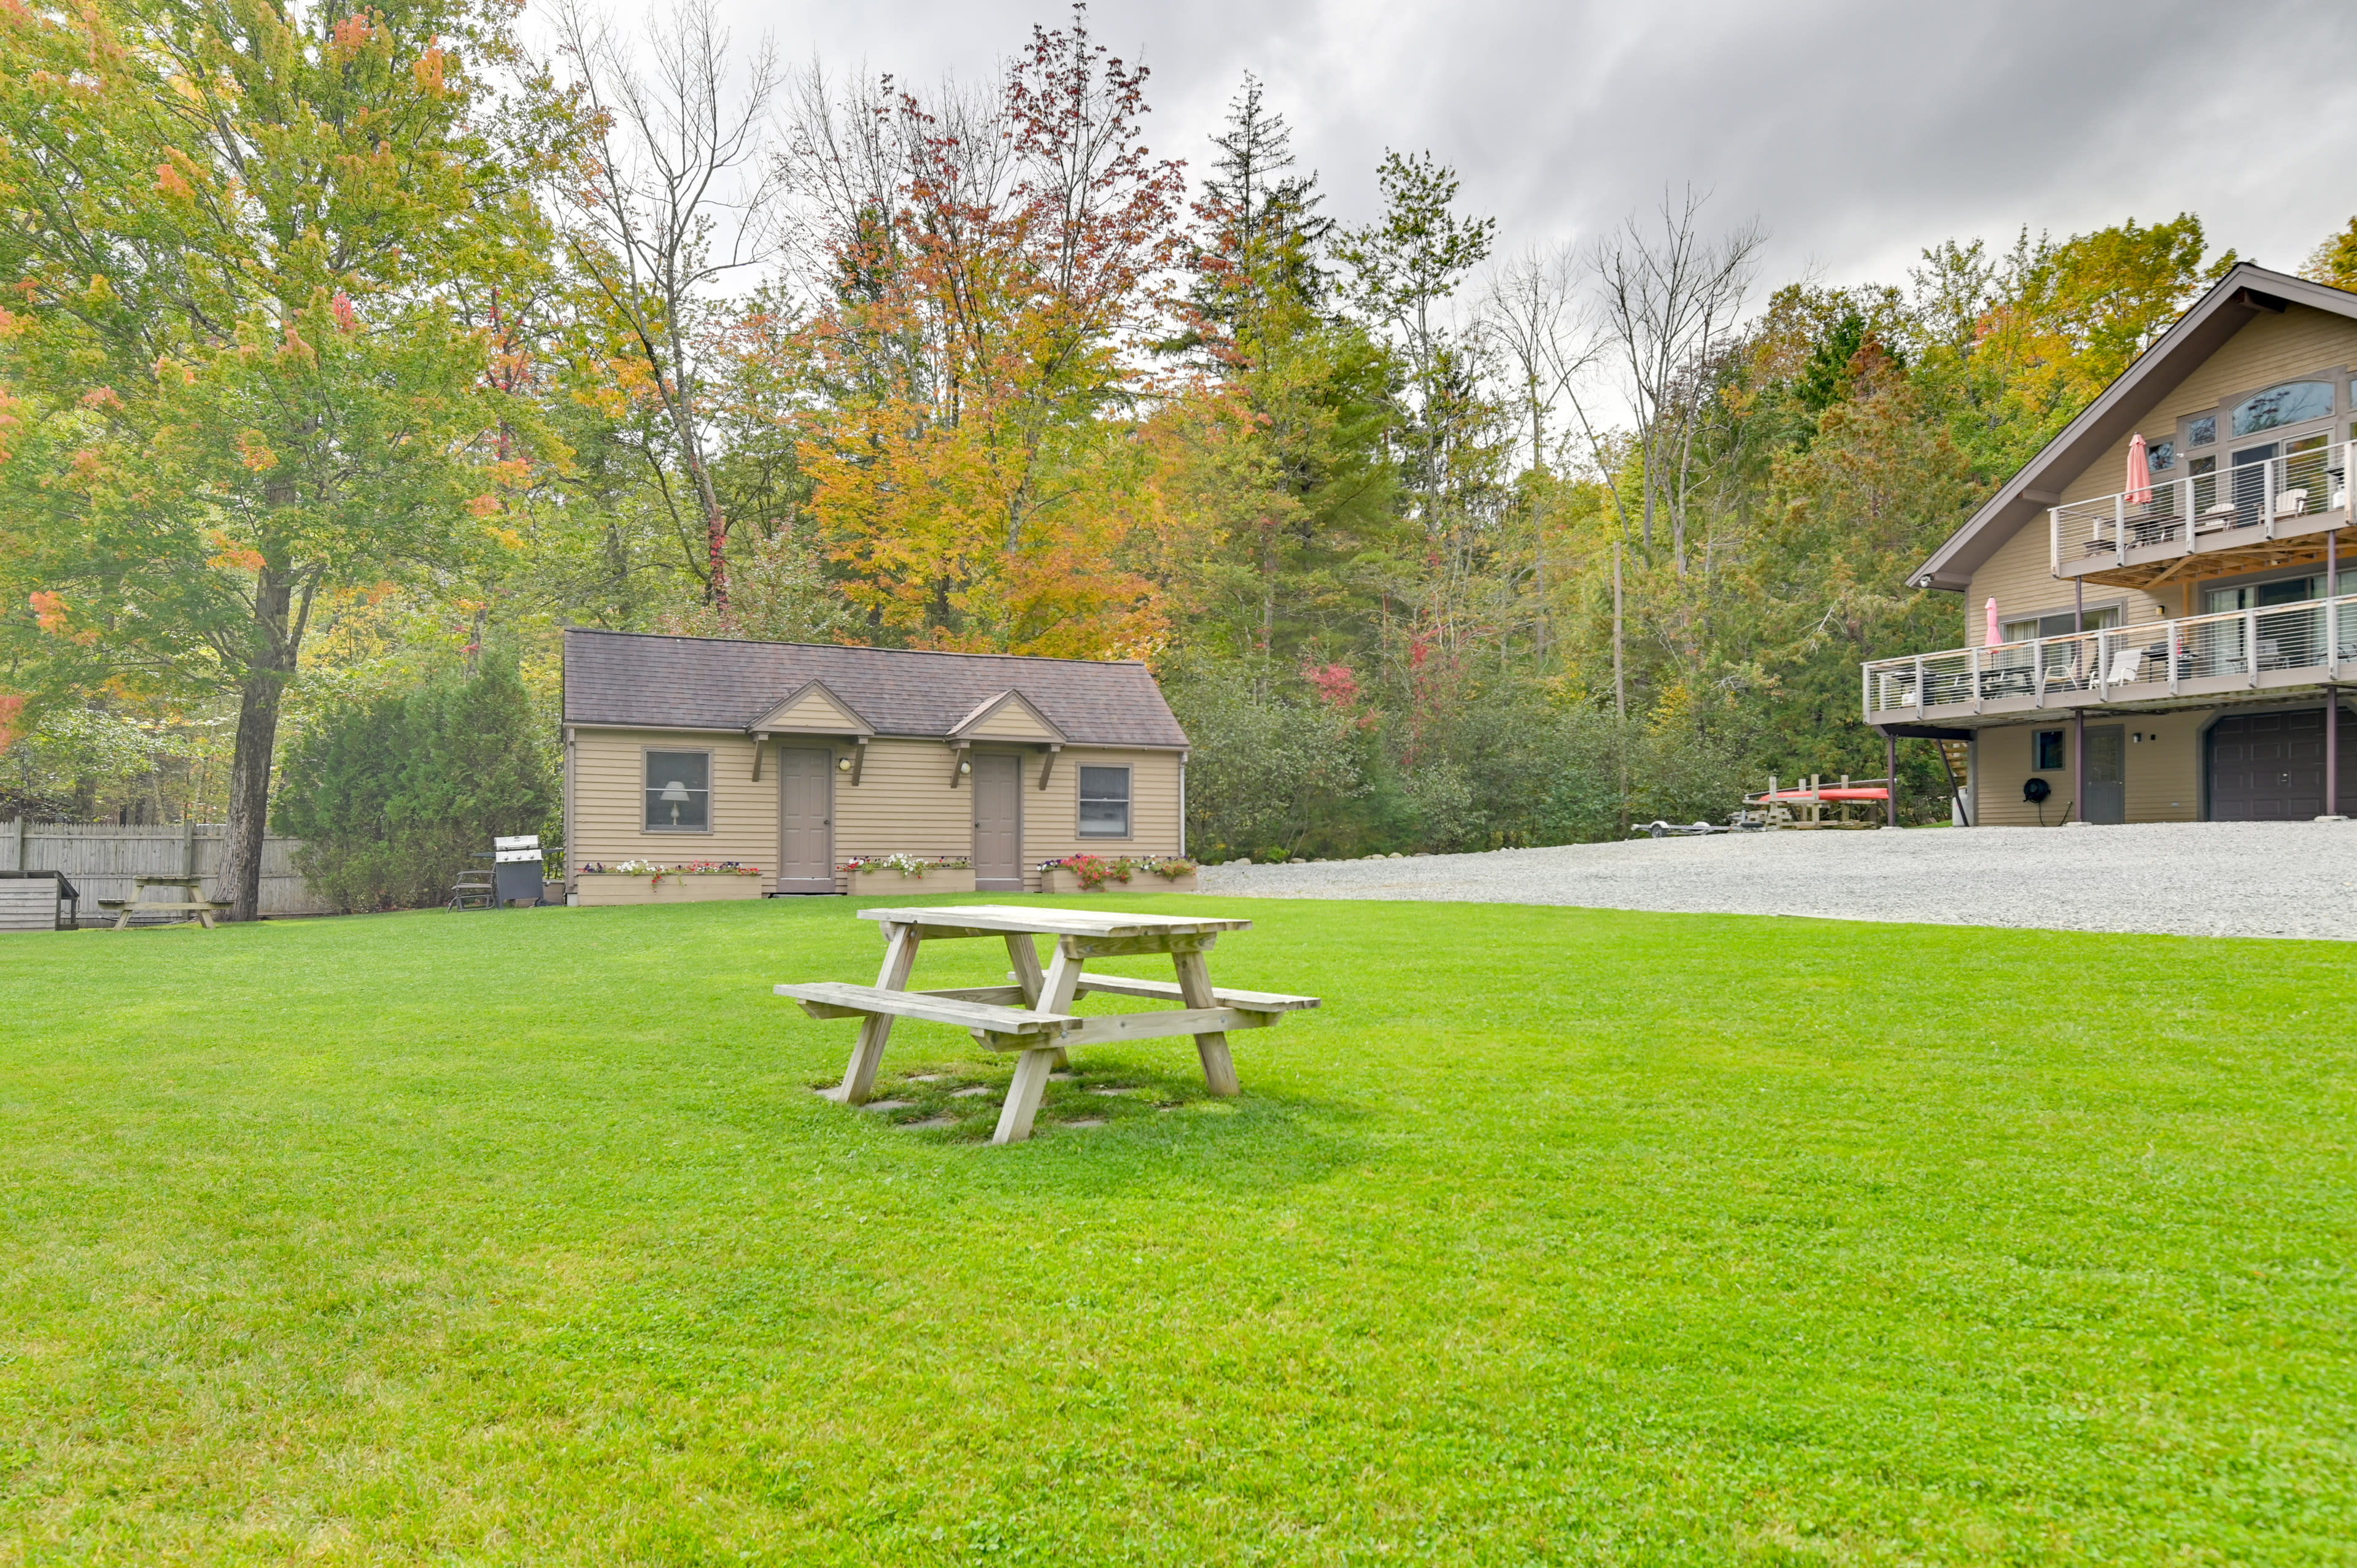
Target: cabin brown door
[
  {"x": 805, "y": 819},
  {"x": 998, "y": 823}
]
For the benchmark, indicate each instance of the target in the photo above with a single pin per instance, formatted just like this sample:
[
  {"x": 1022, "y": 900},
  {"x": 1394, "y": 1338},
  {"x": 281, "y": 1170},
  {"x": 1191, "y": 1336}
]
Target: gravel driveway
[{"x": 2200, "y": 879}]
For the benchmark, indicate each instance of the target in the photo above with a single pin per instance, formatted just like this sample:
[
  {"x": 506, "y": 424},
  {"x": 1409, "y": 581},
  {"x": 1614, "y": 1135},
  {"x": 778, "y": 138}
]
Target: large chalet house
[{"x": 2159, "y": 607}]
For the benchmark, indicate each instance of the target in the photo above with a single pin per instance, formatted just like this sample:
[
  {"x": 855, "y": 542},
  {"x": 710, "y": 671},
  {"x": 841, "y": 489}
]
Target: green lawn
[{"x": 1559, "y": 1236}]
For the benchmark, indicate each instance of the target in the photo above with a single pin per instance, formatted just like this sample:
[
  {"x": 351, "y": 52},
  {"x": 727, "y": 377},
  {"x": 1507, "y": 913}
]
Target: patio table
[{"x": 1034, "y": 1015}]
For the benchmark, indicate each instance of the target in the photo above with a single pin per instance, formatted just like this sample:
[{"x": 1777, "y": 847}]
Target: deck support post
[
  {"x": 1890, "y": 778},
  {"x": 2079, "y": 762},
  {"x": 2332, "y": 751}
]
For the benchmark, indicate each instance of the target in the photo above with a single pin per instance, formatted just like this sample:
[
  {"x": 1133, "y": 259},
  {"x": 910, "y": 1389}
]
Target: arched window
[{"x": 2279, "y": 405}]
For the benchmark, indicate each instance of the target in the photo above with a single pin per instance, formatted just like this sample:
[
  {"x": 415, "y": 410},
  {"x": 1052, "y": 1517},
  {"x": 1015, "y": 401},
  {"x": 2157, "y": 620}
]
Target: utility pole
[
  {"x": 1619, "y": 679},
  {"x": 1620, "y": 696}
]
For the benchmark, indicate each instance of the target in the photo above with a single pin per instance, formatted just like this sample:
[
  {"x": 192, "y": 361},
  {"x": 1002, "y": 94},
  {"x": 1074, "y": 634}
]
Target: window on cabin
[
  {"x": 2160, "y": 456},
  {"x": 1104, "y": 802},
  {"x": 2045, "y": 747},
  {"x": 2289, "y": 404},
  {"x": 2202, "y": 432},
  {"x": 679, "y": 791}
]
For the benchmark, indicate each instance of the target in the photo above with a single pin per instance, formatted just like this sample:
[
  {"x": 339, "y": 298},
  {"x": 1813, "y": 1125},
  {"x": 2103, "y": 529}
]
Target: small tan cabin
[{"x": 800, "y": 759}]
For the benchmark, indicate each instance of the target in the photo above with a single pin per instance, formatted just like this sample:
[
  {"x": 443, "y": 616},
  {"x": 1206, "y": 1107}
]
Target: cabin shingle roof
[{"x": 637, "y": 681}]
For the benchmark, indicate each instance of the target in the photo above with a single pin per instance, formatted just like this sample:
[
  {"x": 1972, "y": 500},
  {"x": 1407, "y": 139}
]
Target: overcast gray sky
[{"x": 1858, "y": 133}]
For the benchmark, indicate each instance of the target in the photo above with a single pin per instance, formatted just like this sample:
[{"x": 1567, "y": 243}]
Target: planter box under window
[
  {"x": 596, "y": 888},
  {"x": 890, "y": 884},
  {"x": 1057, "y": 879}
]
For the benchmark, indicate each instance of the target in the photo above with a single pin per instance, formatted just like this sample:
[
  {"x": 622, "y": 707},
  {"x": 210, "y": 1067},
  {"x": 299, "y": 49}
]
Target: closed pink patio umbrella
[
  {"x": 2140, "y": 472},
  {"x": 1996, "y": 633}
]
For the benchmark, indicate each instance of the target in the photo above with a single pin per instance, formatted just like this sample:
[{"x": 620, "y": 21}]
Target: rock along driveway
[{"x": 2202, "y": 879}]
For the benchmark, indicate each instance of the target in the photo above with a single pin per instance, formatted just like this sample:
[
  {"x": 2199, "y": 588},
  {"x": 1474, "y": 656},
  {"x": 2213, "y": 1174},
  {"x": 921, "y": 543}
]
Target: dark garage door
[{"x": 2270, "y": 766}]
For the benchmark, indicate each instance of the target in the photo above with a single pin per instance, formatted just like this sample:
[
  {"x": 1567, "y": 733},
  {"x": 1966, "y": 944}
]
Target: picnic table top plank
[{"x": 1055, "y": 922}]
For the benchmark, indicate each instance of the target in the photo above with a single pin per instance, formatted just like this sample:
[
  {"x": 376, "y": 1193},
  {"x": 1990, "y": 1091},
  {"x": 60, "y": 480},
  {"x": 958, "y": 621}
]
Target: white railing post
[
  {"x": 2054, "y": 538},
  {"x": 1919, "y": 685},
  {"x": 2268, "y": 494},
  {"x": 2169, "y": 644},
  {"x": 2120, "y": 529},
  {"x": 1972, "y": 667},
  {"x": 2251, "y": 645}
]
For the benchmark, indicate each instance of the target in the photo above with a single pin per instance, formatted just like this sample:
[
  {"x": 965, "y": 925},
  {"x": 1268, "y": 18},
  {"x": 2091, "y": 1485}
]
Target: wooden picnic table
[
  {"x": 192, "y": 901},
  {"x": 1034, "y": 1015}
]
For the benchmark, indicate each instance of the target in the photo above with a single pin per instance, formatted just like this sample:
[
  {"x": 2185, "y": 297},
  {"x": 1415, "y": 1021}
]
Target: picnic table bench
[
  {"x": 1033, "y": 1014},
  {"x": 192, "y": 902}
]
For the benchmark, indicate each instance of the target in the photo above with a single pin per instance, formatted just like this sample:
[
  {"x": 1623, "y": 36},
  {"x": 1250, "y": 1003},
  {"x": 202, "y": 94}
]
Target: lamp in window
[{"x": 674, "y": 795}]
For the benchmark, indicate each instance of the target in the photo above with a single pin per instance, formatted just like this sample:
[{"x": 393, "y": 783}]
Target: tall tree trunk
[{"x": 268, "y": 673}]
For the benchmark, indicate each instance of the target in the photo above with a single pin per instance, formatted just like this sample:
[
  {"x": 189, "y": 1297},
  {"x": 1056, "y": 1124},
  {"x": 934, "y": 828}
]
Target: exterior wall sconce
[
  {"x": 843, "y": 765},
  {"x": 965, "y": 767}
]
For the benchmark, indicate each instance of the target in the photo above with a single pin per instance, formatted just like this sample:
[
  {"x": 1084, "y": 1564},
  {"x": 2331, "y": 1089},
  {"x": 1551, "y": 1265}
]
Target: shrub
[{"x": 392, "y": 799}]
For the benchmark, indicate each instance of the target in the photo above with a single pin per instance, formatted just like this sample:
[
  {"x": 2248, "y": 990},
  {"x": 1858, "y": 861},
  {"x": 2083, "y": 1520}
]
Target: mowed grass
[{"x": 1558, "y": 1236}]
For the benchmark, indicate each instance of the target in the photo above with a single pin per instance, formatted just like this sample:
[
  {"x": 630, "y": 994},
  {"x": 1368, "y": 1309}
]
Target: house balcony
[
  {"x": 2199, "y": 660},
  {"x": 2268, "y": 514}
]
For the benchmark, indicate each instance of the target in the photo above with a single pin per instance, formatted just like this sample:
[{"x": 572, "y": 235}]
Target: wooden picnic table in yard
[
  {"x": 192, "y": 901},
  {"x": 1034, "y": 1015}
]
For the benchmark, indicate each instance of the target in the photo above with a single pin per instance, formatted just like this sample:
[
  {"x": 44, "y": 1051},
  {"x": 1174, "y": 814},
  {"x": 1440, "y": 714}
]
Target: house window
[
  {"x": 2046, "y": 749},
  {"x": 2058, "y": 623},
  {"x": 679, "y": 791},
  {"x": 1104, "y": 802},
  {"x": 2160, "y": 456},
  {"x": 2202, "y": 432},
  {"x": 2279, "y": 405}
]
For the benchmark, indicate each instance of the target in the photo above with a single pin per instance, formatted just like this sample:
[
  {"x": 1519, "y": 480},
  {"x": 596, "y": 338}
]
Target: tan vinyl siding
[
  {"x": 903, "y": 803},
  {"x": 1052, "y": 817},
  {"x": 2164, "y": 770},
  {"x": 1013, "y": 722},
  {"x": 608, "y": 785},
  {"x": 2020, "y": 575},
  {"x": 815, "y": 711}
]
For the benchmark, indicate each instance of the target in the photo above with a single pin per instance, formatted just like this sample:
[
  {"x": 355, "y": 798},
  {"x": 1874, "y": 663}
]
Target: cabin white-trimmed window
[
  {"x": 678, "y": 793},
  {"x": 1104, "y": 803},
  {"x": 2045, "y": 751}
]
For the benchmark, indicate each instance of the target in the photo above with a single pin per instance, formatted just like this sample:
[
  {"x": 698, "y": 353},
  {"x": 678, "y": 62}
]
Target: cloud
[{"x": 1858, "y": 133}]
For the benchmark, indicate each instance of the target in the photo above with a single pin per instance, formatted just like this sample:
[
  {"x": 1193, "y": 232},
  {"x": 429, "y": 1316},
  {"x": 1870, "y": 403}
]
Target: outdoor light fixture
[
  {"x": 843, "y": 765},
  {"x": 674, "y": 795},
  {"x": 965, "y": 767}
]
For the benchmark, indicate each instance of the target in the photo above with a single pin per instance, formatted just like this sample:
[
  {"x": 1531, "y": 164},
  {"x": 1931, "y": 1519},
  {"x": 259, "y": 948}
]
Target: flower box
[
  {"x": 594, "y": 889},
  {"x": 888, "y": 884},
  {"x": 1063, "y": 879}
]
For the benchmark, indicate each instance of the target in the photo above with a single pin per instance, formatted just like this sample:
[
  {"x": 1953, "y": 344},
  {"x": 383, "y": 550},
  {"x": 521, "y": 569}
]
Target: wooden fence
[{"x": 100, "y": 859}]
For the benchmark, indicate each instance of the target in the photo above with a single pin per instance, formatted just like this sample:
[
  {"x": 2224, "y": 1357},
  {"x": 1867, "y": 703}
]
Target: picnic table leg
[
  {"x": 1027, "y": 975},
  {"x": 1031, "y": 1070},
  {"x": 123, "y": 920},
  {"x": 205, "y": 919},
  {"x": 1195, "y": 987},
  {"x": 867, "y": 1051}
]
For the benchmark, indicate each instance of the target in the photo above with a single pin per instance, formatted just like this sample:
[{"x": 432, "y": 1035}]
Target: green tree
[
  {"x": 392, "y": 799},
  {"x": 237, "y": 371}
]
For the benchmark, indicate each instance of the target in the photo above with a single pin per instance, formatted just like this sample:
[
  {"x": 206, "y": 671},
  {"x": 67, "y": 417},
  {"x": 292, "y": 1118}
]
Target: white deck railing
[
  {"x": 2197, "y": 508},
  {"x": 2147, "y": 659}
]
